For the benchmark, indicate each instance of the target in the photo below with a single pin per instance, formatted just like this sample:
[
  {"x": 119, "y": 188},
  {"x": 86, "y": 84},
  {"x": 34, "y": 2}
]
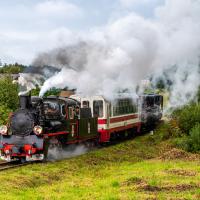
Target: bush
[
  {"x": 192, "y": 141},
  {"x": 187, "y": 117},
  {"x": 182, "y": 143},
  {"x": 4, "y": 114},
  {"x": 8, "y": 93},
  {"x": 165, "y": 131},
  {"x": 8, "y": 98}
]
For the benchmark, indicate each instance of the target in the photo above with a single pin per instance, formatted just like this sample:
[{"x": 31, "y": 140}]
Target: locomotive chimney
[{"x": 25, "y": 101}]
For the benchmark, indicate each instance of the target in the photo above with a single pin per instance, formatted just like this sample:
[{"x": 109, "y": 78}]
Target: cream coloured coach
[{"x": 116, "y": 117}]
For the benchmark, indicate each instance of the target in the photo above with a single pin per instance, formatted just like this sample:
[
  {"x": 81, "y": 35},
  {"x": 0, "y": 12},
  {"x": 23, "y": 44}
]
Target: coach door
[
  {"x": 73, "y": 125},
  {"x": 98, "y": 108},
  {"x": 108, "y": 114}
]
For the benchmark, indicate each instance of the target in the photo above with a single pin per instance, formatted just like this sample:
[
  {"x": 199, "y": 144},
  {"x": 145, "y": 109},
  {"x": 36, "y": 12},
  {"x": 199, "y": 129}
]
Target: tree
[
  {"x": 35, "y": 92},
  {"x": 160, "y": 84},
  {"x": 8, "y": 93},
  {"x": 4, "y": 114},
  {"x": 52, "y": 91},
  {"x": 8, "y": 98}
]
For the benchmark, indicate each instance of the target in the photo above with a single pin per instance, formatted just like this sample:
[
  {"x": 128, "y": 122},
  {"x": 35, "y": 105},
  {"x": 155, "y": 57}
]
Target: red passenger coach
[{"x": 116, "y": 117}]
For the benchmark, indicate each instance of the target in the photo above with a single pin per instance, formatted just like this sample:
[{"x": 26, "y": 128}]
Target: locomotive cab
[{"x": 58, "y": 112}]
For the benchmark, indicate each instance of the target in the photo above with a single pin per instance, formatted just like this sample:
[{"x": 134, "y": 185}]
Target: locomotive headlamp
[
  {"x": 37, "y": 130},
  {"x": 3, "y": 130}
]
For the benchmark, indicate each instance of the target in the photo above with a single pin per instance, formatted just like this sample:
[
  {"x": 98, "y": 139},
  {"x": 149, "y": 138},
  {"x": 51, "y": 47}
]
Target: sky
[{"x": 28, "y": 28}]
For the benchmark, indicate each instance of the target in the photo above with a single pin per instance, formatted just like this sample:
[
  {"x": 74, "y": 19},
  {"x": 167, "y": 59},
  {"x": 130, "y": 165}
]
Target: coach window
[
  {"x": 98, "y": 108},
  {"x": 86, "y": 104},
  {"x": 134, "y": 107}
]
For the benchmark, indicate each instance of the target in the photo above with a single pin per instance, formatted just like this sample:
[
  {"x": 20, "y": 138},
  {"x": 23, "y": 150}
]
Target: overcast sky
[{"x": 30, "y": 27}]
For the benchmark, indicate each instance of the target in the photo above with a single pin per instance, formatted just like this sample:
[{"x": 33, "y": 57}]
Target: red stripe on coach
[
  {"x": 102, "y": 121},
  {"x": 119, "y": 119}
]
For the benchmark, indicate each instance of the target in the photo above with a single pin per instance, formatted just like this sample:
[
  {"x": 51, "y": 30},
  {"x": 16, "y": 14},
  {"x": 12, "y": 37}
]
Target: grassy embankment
[{"x": 147, "y": 167}]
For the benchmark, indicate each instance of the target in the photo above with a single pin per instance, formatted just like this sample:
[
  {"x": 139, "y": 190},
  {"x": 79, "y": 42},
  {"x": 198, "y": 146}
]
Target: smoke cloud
[
  {"x": 70, "y": 151},
  {"x": 131, "y": 48}
]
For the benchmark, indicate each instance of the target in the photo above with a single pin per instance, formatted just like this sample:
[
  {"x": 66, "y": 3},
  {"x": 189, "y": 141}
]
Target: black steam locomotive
[{"x": 41, "y": 122}]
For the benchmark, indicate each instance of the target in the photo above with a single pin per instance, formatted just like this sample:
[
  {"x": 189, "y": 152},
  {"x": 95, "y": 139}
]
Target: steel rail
[{"x": 11, "y": 165}]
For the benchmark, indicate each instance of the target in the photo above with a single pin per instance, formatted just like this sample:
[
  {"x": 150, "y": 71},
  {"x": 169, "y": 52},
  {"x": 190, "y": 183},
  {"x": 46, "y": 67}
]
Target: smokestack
[{"x": 25, "y": 101}]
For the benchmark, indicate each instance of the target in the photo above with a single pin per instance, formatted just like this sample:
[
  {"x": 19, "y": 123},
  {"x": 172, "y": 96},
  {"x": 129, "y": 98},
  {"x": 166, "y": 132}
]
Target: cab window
[
  {"x": 149, "y": 101},
  {"x": 63, "y": 110},
  {"x": 157, "y": 100},
  {"x": 51, "y": 109},
  {"x": 98, "y": 108}
]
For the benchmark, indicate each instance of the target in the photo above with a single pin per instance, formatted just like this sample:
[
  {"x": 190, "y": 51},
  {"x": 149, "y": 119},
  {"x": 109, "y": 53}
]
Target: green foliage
[
  {"x": 194, "y": 139},
  {"x": 160, "y": 84},
  {"x": 4, "y": 113},
  {"x": 8, "y": 93},
  {"x": 8, "y": 98},
  {"x": 149, "y": 91},
  {"x": 198, "y": 95},
  {"x": 164, "y": 131},
  {"x": 191, "y": 142},
  {"x": 182, "y": 142},
  {"x": 187, "y": 117},
  {"x": 35, "y": 92},
  {"x": 53, "y": 91},
  {"x": 12, "y": 69}
]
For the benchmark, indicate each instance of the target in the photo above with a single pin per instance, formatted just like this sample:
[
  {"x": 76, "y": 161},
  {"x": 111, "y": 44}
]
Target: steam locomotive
[{"x": 42, "y": 123}]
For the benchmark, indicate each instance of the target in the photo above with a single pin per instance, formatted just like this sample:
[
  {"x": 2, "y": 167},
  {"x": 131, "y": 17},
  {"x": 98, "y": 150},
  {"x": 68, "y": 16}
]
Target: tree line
[{"x": 12, "y": 68}]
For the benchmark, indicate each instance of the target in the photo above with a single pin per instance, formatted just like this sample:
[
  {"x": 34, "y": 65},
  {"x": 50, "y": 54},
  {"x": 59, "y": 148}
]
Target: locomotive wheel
[
  {"x": 22, "y": 160},
  {"x": 91, "y": 144}
]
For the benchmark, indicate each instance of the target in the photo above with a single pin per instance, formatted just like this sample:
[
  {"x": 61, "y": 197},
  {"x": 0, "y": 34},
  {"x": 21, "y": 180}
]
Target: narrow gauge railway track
[{"x": 10, "y": 165}]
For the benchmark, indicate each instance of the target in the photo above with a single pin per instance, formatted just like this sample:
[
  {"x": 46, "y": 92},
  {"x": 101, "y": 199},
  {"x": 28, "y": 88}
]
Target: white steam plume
[
  {"x": 128, "y": 49},
  {"x": 27, "y": 82}
]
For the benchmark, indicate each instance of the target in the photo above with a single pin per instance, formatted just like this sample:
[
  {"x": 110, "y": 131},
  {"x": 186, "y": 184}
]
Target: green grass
[{"x": 133, "y": 169}]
